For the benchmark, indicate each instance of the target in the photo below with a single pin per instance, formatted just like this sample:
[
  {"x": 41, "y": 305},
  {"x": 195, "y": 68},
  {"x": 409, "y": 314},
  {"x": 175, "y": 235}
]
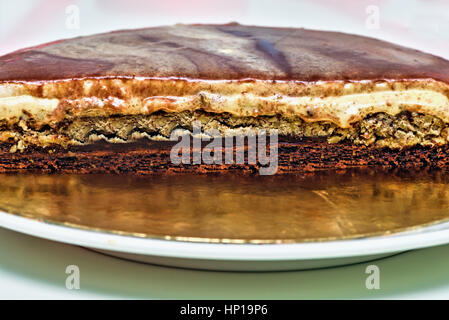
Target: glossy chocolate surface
[{"x": 221, "y": 52}]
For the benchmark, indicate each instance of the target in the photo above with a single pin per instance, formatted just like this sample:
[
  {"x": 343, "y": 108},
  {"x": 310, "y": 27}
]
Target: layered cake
[{"x": 111, "y": 102}]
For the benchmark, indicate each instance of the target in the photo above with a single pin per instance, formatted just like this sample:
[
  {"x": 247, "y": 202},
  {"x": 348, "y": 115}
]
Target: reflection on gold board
[{"x": 236, "y": 209}]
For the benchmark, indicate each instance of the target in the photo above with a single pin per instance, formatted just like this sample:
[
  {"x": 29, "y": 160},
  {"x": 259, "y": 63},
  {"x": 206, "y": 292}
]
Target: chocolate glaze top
[{"x": 222, "y": 52}]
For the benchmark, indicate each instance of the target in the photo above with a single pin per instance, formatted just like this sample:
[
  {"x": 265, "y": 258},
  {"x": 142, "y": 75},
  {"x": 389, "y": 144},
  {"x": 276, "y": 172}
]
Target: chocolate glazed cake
[{"x": 110, "y": 102}]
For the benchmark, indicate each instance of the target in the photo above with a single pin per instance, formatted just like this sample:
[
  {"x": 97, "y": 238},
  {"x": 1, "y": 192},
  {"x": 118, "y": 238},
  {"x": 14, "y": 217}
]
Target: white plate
[{"x": 233, "y": 257}]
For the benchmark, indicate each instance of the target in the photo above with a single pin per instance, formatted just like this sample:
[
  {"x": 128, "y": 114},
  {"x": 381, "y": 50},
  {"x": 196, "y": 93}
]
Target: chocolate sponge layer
[{"x": 150, "y": 157}]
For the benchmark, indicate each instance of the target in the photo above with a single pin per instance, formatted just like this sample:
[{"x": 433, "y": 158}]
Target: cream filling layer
[
  {"x": 341, "y": 110},
  {"x": 22, "y": 106}
]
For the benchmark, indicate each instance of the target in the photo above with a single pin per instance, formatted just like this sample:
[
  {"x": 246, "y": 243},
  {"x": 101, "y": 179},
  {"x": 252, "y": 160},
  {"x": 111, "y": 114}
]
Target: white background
[{"x": 35, "y": 268}]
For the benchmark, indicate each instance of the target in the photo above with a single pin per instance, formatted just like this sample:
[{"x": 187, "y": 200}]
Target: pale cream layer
[{"x": 338, "y": 102}]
